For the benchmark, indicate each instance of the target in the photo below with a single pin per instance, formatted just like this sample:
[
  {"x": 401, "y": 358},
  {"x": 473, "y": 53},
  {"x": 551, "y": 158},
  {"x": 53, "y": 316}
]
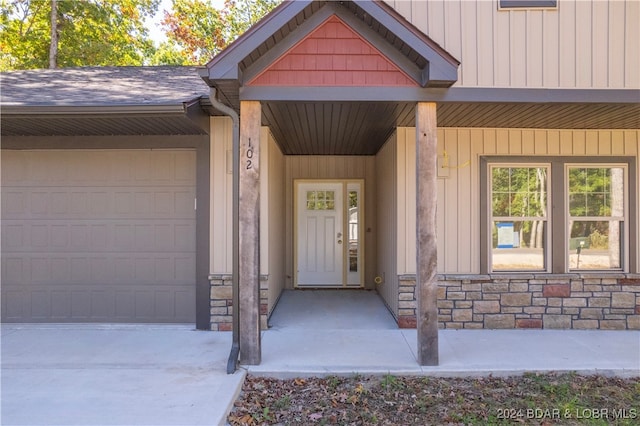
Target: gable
[
  {"x": 333, "y": 55},
  {"x": 403, "y": 58}
]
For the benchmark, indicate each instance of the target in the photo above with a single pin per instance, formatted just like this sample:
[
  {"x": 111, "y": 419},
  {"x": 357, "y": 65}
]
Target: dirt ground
[{"x": 536, "y": 399}]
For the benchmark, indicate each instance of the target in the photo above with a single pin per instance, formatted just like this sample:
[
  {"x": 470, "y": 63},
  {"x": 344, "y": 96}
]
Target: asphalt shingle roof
[{"x": 102, "y": 86}]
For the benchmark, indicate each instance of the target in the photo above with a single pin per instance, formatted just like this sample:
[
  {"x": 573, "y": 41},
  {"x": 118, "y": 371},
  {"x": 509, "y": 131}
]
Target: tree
[
  {"x": 53, "y": 44},
  {"x": 200, "y": 31},
  {"x": 90, "y": 32},
  {"x": 196, "y": 28}
]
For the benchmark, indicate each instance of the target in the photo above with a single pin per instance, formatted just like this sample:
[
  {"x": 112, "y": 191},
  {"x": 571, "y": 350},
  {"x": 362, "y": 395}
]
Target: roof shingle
[{"x": 102, "y": 86}]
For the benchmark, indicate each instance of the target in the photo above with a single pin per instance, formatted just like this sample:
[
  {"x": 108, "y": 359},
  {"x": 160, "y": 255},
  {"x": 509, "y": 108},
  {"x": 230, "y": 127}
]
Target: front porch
[
  {"x": 350, "y": 93},
  {"x": 346, "y": 332}
]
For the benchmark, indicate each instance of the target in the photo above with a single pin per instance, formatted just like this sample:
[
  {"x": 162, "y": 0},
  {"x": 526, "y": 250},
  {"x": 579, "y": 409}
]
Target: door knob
[{"x": 339, "y": 241}]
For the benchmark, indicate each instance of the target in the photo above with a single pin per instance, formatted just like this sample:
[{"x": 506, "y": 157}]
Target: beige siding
[
  {"x": 458, "y": 194},
  {"x": 581, "y": 44},
  {"x": 221, "y": 196},
  {"x": 387, "y": 224},
  {"x": 333, "y": 167},
  {"x": 272, "y": 225},
  {"x": 406, "y": 190}
]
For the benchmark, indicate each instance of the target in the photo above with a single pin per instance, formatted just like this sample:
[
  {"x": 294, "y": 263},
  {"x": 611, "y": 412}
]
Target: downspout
[{"x": 232, "y": 363}]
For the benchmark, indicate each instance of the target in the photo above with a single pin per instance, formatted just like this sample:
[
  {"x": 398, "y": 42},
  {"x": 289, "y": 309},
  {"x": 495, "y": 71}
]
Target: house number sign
[{"x": 249, "y": 154}]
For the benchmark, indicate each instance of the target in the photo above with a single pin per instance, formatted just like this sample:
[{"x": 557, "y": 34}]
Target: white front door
[{"x": 326, "y": 235}]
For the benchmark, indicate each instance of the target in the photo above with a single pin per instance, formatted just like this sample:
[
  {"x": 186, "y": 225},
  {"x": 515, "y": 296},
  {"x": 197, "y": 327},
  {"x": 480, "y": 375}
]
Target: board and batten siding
[
  {"x": 334, "y": 167},
  {"x": 579, "y": 44},
  {"x": 221, "y": 200},
  {"x": 458, "y": 194},
  {"x": 271, "y": 184},
  {"x": 387, "y": 223},
  {"x": 272, "y": 224}
]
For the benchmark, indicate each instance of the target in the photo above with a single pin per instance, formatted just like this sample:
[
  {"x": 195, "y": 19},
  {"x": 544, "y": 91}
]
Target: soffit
[
  {"x": 98, "y": 125},
  {"x": 361, "y": 128}
]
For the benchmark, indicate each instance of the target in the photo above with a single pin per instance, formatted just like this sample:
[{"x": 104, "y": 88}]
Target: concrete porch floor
[
  {"x": 322, "y": 332},
  {"x": 152, "y": 374}
]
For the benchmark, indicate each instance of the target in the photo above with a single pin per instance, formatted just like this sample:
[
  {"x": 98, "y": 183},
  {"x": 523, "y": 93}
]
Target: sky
[{"x": 153, "y": 24}]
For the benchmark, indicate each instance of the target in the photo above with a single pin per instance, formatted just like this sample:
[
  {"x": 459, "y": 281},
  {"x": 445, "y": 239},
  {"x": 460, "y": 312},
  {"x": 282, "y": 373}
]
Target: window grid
[
  {"x": 596, "y": 216},
  {"x": 519, "y": 217}
]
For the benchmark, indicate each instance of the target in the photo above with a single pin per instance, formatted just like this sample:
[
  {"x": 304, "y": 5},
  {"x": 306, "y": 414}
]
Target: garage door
[{"x": 98, "y": 236}]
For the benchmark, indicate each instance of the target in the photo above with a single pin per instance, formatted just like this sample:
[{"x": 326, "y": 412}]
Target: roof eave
[{"x": 77, "y": 109}]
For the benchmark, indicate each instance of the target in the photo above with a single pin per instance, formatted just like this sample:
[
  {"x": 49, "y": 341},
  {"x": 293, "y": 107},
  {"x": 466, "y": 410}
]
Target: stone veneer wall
[
  {"x": 566, "y": 301},
  {"x": 221, "y": 302}
]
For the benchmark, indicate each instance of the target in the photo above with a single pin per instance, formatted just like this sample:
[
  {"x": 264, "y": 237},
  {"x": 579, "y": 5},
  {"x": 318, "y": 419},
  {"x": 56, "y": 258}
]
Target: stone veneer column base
[
  {"x": 221, "y": 302},
  {"x": 585, "y": 301}
]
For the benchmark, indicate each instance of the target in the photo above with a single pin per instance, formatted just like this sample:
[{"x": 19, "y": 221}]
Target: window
[
  {"x": 557, "y": 215},
  {"x": 320, "y": 200},
  {"x": 519, "y": 216},
  {"x": 596, "y": 219},
  {"x": 527, "y": 4},
  {"x": 354, "y": 234}
]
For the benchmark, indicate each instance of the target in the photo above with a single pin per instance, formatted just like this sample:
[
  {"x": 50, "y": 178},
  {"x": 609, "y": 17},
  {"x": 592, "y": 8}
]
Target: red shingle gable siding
[{"x": 333, "y": 55}]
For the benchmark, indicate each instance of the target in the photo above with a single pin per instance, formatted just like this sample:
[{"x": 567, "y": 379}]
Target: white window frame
[
  {"x": 624, "y": 247},
  {"x": 547, "y": 219}
]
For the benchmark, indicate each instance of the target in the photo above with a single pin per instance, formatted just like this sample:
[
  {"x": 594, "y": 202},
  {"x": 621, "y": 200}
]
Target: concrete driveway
[{"x": 115, "y": 375}]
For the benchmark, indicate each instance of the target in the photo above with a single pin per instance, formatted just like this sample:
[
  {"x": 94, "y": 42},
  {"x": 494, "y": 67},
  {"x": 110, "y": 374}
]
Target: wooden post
[
  {"x": 426, "y": 248},
  {"x": 249, "y": 223}
]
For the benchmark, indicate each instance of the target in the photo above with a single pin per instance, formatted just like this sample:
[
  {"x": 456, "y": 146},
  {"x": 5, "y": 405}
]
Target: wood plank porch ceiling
[{"x": 361, "y": 128}]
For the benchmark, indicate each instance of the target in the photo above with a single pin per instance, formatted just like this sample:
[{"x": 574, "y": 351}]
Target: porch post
[
  {"x": 426, "y": 249},
  {"x": 249, "y": 223}
]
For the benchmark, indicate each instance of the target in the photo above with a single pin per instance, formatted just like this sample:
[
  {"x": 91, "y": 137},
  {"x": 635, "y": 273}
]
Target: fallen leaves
[{"x": 394, "y": 400}]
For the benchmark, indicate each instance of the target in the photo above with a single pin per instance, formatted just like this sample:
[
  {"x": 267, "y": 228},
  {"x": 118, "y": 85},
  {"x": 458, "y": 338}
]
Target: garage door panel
[
  {"x": 60, "y": 305},
  {"x": 40, "y": 305},
  {"x": 102, "y": 305},
  {"x": 14, "y": 203},
  {"x": 13, "y": 236},
  {"x": 64, "y": 303},
  {"x": 12, "y": 270},
  {"x": 58, "y": 236},
  {"x": 13, "y": 304},
  {"x": 98, "y": 236},
  {"x": 109, "y": 268},
  {"x": 86, "y": 204},
  {"x": 184, "y": 268}
]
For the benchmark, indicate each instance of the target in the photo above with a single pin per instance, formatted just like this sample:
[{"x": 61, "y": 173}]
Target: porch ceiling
[
  {"x": 361, "y": 128},
  {"x": 334, "y": 128}
]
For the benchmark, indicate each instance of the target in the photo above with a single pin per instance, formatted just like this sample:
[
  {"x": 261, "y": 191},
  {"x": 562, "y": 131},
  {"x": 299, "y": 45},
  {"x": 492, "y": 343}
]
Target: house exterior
[{"x": 474, "y": 162}]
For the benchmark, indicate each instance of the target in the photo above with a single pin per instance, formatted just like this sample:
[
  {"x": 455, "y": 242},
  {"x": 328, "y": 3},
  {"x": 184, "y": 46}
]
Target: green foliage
[
  {"x": 390, "y": 382},
  {"x": 168, "y": 54},
  {"x": 599, "y": 240},
  {"x": 519, "y": 191},
  {"x": 590, "y": 191},
  {"x": 198, "y": 31},
  {"x": 91, "y": 32},
  {"x": 241, "y": 14},
  {"x": 112, "y": 32}
]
